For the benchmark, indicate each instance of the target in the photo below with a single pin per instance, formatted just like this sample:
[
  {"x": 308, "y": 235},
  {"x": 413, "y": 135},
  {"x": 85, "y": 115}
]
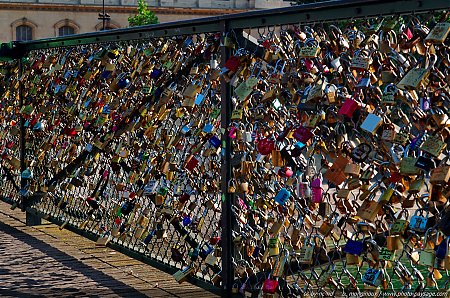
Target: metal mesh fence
[
  {"x": 112, "y": 149},
  {"x": 339, "y": 156}
]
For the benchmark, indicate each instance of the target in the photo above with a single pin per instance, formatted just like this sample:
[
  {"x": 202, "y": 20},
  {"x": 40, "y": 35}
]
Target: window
[
  {"x": 66, "y": 27},
  {"x": 23, "y": 29},
  {"x": 108, "y": 26},
  {"x": 24, "y": 32},
  {"x": 66, "y": 30}
]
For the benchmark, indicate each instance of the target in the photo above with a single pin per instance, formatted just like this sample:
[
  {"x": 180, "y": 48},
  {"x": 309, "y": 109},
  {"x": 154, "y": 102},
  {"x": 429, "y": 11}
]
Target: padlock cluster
[
  {"x": 122, "y": 141},
  {"x": 339, "y": 151},
  {"x": 340, "y": 139}
]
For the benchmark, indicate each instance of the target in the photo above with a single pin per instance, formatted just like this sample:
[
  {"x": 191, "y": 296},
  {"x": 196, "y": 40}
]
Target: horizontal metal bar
[
  {"x": 314, "y": 12},
  {"x": 333, "y": 10},
  {"x": 128, "y": 34}
]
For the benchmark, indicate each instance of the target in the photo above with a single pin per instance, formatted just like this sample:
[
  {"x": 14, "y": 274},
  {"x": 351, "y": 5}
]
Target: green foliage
[{"x": 144, "y": 17}]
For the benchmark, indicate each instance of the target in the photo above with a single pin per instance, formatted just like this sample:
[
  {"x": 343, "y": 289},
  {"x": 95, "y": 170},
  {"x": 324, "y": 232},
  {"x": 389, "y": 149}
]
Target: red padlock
[
  {"x": 33, "y": 122},
  {"x": 303, "y": 134},
  {"x": 266, "y": 146},
  {"x": 233, "y": 63},
  {"x": 266, "y": 44},
  {"x": 214, "y": 240},
  {"x": 270, "y": 286},
  {"x": 184, "y": 198},
  {"x": 285, "y": 172},
  {"x": 348, "y": 108},
  {"x": 192, "y": 162},
  {"x": 309, "y": 64},
  {"x": 71, "y": 132},
  {"x": 395, "y": 177},
  {"x": 118, "y": 221}
]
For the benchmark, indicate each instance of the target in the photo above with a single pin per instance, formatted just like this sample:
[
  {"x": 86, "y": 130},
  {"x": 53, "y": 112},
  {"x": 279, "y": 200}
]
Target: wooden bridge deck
[{"x": 44, "y": 261}]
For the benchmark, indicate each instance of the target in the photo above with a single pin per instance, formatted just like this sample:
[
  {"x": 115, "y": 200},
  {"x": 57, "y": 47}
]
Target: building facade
[{"x": 36, "y": 19}]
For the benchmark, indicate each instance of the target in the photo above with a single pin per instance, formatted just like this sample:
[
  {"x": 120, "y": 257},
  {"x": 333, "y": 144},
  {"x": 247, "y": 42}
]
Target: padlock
[
  {"x": 277, "y": 160},
  {"x": 387, "y": 194},
  {"x": 353, "y": 247},
  {"x": 274, "y": 246},
  {"x": 413, "y": 78},
  {"x": 361, "y": 60},
  {"x": 439, "y": 33},
  {"x": 282, "y": 196},
  {"x": 278, "y": 268},
  {"x": 276, "y": 227},
  {"x": 371, "y": 123},
  {"x": 303, "y": 134},
  {"x": 182, "y": 275},
  {"x": 328, "y": 225},
  {"x": 336, "y": 174},
  {"x": 265, "y": 146},
  {"x": 352, "y": 259},
  {"x": 442, "y": 254},
  {"x": 361, "y": 152},
  {"x": 440, "y": 175},
  {"x": 310, "y": 49},
  {"x": 316, "y": 188},
  {"x": 352, "y": 169},
  {"x": 417, "y": 222},
  {"x": 368, "y": 210},
  {"x": 386, "y": 254},
  {"x": 433, "y": 145},
  {"x": 394, "y": 242},
  {"x": 427, "y": 257},
  {"x": 348, "y": 108},
  {"x": 305, "y": 255},
  {"x": 270, "y": 286},
  {"x": 372, "y": 277},
  {"x": 399, "y": 226}
]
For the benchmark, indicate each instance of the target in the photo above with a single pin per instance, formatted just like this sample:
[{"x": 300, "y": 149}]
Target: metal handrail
[{"x": 305, "y": 13}]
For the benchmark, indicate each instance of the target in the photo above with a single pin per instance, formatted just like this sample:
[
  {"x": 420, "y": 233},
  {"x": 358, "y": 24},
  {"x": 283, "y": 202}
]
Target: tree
[{"x": 144, "y": 17}]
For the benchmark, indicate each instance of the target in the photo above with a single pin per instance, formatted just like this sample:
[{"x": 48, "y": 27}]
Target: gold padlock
[
  {"x": 440, "y": 175},
  {"x": 182, "y": 275},
  {"x": 352, "y": 259},
  {"x": 274, "y": 248},
  {"x": 394, "y": 242}
]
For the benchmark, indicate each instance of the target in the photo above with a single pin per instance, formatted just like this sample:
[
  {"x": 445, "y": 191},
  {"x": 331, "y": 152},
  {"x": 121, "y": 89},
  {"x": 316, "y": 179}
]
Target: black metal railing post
[
  {"x": 31, "y": 219},
  {"x": 227, "y": 215}
]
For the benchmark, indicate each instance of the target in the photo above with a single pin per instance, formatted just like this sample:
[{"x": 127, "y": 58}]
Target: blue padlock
[
  {"x": 106, "y": 74},
  {"x": 208, "y": 128},
  {"x": 149, "y": 237},
  {"x": 418, "y": 223},
  {"x": 207, "y": 249},
  {"x": 123, "y": 83},
  {"x": 215, "y": 141},
  {"x": 354, "y": 247},
  {"x": 156, "y": 73},
  {"x": 38, "y": 126},
  {"x": 282, "y": 196},
  {"x": 187, "y": 220},
  {"x": 106, "y": 110},
  {"x": 442, "y": 249},
  {"x": 372, "y": 277},
  {"x": 199, "y": 99}
]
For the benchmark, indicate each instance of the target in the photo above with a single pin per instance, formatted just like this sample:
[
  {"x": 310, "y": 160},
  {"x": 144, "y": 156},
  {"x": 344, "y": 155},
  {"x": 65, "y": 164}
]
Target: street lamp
[{"x": 104, "y": 16}]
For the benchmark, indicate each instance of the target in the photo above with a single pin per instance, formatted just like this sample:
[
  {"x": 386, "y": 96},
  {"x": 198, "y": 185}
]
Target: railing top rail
[{"x": 305, "y": 13}]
